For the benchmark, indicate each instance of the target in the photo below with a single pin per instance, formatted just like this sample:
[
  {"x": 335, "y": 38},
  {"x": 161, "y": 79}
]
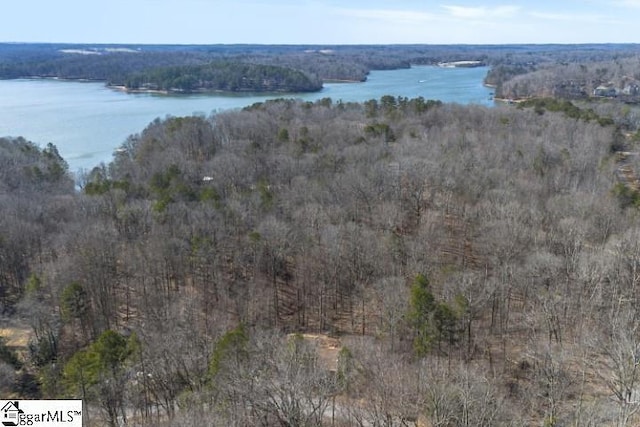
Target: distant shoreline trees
[
  {"x": 227, "y": 76},
  {"x": 516, "y": 71}
]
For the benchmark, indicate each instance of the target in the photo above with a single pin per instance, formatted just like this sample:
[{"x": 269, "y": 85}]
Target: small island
[{"x": 220, "y": 76}]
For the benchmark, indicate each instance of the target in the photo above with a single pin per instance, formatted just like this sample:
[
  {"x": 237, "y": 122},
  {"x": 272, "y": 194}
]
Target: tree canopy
[
  {"x": 224, "y": 76},
  {"x": 384, "y": 262}
]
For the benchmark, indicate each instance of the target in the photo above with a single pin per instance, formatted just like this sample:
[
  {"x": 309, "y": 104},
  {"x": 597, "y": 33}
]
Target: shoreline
[
  {"x": 159, "y": 92},
  {"x": 461, "y": 64},
  {"x": 124, "y": 89},
  {"x": 61, "y": 79},
  {"x": 343, "y": 81}
]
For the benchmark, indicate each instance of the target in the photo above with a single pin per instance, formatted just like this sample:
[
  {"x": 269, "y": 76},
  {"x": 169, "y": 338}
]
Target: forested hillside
[
  {"x": 121, "y": 65},
  {"x": 397, "y": 262},
  {"x": 619, "y": 78},
  {"x": 224, "y": 76}
]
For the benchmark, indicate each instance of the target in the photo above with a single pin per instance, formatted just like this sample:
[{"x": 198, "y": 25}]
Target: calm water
[{"x": 87, "y": 121}]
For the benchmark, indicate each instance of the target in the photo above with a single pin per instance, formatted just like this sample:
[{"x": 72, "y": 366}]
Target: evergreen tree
[{"x": 421, "y": 310}]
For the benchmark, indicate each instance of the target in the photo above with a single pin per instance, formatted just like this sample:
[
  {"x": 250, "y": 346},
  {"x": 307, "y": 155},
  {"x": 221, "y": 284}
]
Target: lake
[{"x": 88, "y": 121}]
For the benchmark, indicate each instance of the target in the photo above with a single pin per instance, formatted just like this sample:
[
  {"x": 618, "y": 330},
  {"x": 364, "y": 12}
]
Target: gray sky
[{"x": 321, "y": 21}]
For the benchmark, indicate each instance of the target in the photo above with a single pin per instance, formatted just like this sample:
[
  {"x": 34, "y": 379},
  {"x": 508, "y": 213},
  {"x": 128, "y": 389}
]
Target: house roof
[{"x": 10, "y": 406}]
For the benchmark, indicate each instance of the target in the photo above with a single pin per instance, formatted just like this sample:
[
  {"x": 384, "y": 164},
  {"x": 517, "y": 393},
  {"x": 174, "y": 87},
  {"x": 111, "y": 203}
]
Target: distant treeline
[
  {"x": 613, "y": 78},
  {"x": 224, "y": 76},
  {"x": 517, "y": 71}
]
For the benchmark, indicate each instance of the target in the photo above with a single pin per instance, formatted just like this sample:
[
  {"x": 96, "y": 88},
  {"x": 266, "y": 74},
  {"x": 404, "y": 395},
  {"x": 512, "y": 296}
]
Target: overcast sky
[{"x": 321, "y": 21}]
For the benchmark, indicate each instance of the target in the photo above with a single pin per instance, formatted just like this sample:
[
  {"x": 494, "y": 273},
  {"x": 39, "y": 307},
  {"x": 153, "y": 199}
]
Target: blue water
[{"x": 88, "y": 121}]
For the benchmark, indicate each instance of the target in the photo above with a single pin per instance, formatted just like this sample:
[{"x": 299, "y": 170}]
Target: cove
[{"x": 87, "y": 121}]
